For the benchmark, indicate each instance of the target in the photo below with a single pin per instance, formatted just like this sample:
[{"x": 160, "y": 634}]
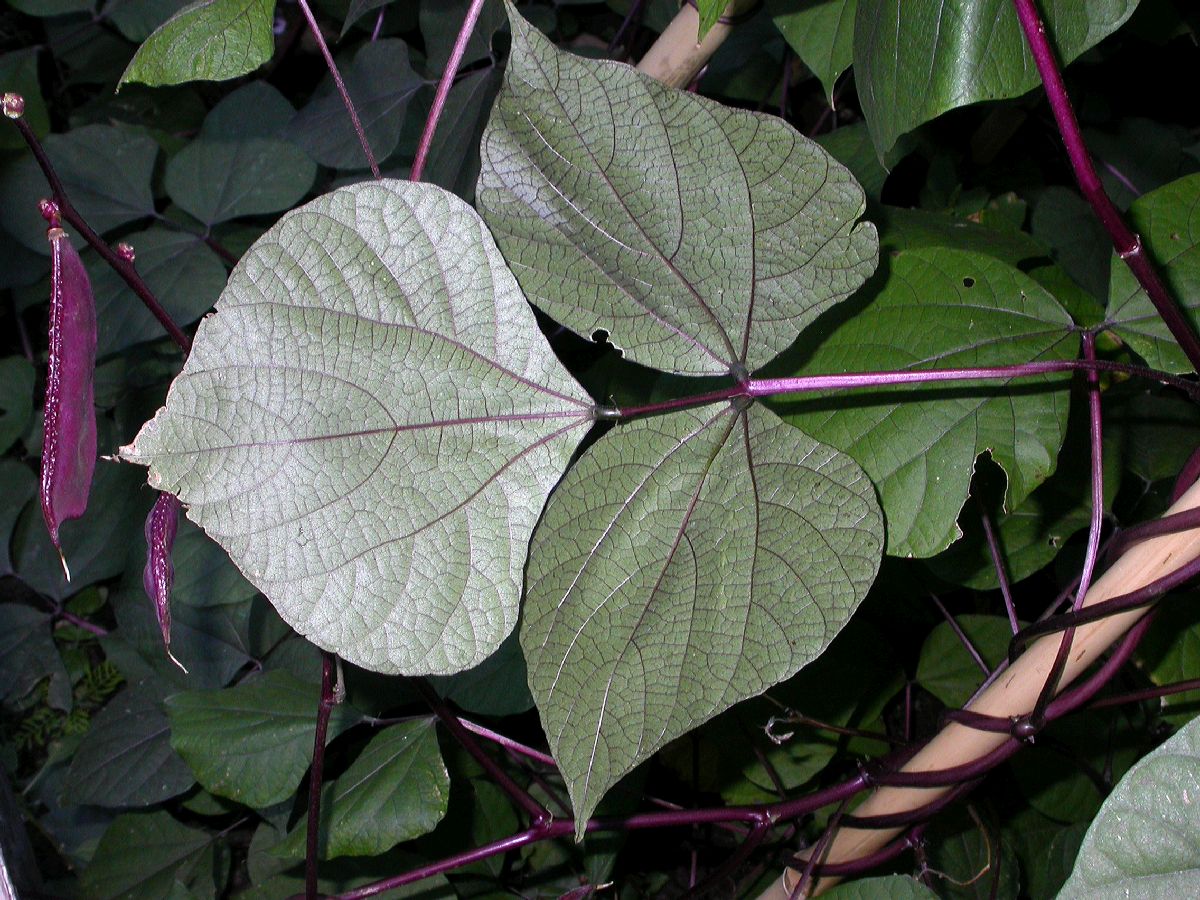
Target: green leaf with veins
[
  {"x": 935, "y": 309},
  {"x": 210, "y": 40},
  {"x": 370, "y": 426},
  {"x": 1168, "y": 221},
  {"x": 702, "y": 238},
  {"x": 396, "y": 789},
  {"x": 1143, "y": 841},
  {"x": 252, "y": 742},
  {"x": 686, "y": 562},
  {"x": 916, "y": 59},
  {"x": 821, "y": 32}
]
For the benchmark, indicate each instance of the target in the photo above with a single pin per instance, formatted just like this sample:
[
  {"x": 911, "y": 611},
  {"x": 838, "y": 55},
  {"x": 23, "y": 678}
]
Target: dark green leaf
[
  {"x": 454, "y": 156},
  {"x": 1065, "y": 223},
  {"x": 28, "y": 654},
  {"x": 380, "y": 82},
  {"x": 614, "y": 198},
  {"x": 217, "y": 180},
  {"x": 16, "y": 399},
  {"x": 822, "y": 34},
  {"x": 148, "y": 856},
  {"x": 1143, "y": 842},
  {"x": 916, "y": 59},
  {"x": 1139, "y": 156},
  {"x": 498, "y": 686},
  {"x": 440, "y": 22},
  {"x": 126, "y": 758},
  {"x": 851, "y": 146},
  {"x": 1064, "y": 775},
  {"x": 1168, "y": 221},
  {"x": 389, "y": 426},
  {"x": 96, "y": 546},
  {"x": 106, "y": 171},
  {"x": 204, "y": 576},
  {"x": 1170, "y": 652},
  {"x": 18, "y": 485},
  {"x": 184, "y": 274},
  {"x": 1046, "y": 850},
  {"x": 948, "y": 670},
  {"x": 210, "y": 40},
  {"x": 395, "y": 790},
  {"x": 212, "y": 642},
  {"x": 255, "y": 110},
  {"x": 939, "y": 308},
  {"x": 910, "y": 229},
  {"x": 137, "y": 19},
  {"x": 966, "y": 862},
  {"x": 19, "y": 75},
  {"x": 52, "y": 7},
  {"x": 251, "y": 743},
  {"x": 685, "y": 563},
  {"x": 885, "y": 887}
]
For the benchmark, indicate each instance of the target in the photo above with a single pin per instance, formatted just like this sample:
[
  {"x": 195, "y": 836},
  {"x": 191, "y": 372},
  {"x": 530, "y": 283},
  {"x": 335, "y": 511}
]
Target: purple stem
[
  {"x": 809, "y": 384},
  {"x": 1127, "y": 244},
  {"x": 1154, "y": 693},
  {"x": 993, "y": 545},
  {"x": 1143, "y": 596},
  {"x": 1172, "y": 524},
  {"x": 961, "y": 635},
  {"x": 1050, "y": 688},
  {"x": 341, "y": 86},
  {"x": 1188, "y": 475},
  {"x": 635, "y": 12},
  {"x": 443, "y": 89},
  {"x": 538, "y": 814},
  {"x": 378, "y": 24},
  {"x": 508, "y": 743},
  {"x": 79, "y": 622},
  {"x": 324, "y": 708},
  {"x": 121, "y": 266}
]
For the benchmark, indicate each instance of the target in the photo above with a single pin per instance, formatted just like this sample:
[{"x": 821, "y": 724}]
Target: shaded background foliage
[{"x": 136, "y": 779}]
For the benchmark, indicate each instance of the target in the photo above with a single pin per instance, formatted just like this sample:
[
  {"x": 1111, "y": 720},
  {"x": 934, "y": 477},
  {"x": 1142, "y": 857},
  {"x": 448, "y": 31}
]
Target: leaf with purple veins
[
  {"x": 69, "y": 444},
  {"x": 159, "y": 574}
]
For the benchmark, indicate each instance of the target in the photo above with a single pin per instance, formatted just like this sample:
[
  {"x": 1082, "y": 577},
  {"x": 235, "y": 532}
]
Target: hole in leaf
[{"x": 968, "y": 282}]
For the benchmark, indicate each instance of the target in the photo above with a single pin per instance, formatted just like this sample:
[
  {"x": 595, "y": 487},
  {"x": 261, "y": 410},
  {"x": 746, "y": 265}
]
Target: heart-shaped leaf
[
  {"x": 702, "y": 238},
  {"x": 939, "y": 308},
  {"x": 370, "y": 426},
  {"x": 685, "y": 563}
]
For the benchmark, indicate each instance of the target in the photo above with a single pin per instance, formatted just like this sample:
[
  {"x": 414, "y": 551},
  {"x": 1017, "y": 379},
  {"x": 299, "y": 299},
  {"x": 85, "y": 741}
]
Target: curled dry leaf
[
  {"x": 159, "y": 574},
  {"x": 69, "y": 444}
]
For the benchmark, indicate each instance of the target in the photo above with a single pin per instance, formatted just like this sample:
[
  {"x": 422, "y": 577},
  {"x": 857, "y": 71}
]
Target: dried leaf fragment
[
  {"x": 69, "y": 440},
  {"x": 159, "y": 574}
]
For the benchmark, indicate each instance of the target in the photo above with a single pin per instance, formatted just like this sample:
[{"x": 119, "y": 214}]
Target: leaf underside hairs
[{"x": 69, "y": 443}]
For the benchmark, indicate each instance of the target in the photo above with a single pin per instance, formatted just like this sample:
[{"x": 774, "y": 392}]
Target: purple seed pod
[
  {"x": 159, "y": 574},
  {"x": 69, "y": 440}
]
